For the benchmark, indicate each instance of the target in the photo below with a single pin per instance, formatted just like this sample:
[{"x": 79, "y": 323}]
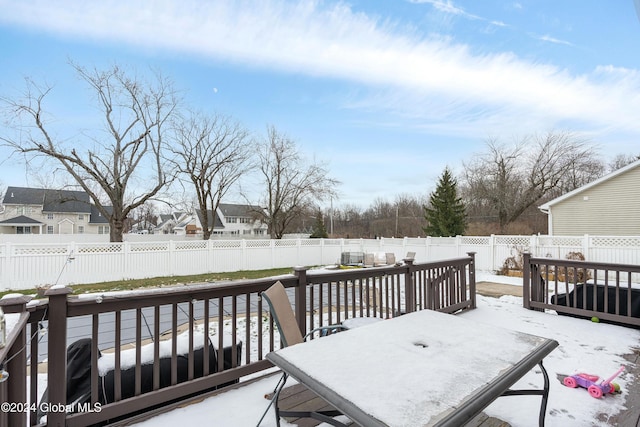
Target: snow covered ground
[{"x": 595, "y": 348}]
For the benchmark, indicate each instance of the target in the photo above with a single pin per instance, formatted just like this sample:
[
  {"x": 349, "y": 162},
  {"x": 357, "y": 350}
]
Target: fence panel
[{"x": 29, "y": 265}]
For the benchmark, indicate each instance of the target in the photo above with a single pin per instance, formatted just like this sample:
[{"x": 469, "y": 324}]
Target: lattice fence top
[
  {"x": 150, "y": 247},
  {"x": 258, "y": 243},
  {"x": 44, "y": 250},
  {"x": 475, "y": 240},
  {"x": 565, "y": 241},
  {"x": 101, "y": 248},
  {"x": 200, "y": 244},
  {"x": 513, "y": 240},
  {"x": 285, "y": 243},
  {"x": 616, "y": 241},
  {"x": 226, "y": 243}
]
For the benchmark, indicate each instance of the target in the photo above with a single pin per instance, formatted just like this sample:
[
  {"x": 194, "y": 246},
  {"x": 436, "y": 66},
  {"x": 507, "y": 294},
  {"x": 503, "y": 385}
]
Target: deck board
[{"x": 299, "y": 398}]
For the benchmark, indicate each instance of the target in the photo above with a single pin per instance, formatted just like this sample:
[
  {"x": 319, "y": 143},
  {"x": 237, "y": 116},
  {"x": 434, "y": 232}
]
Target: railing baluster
[
  {"x": 117, "y": 372},
  {"x": 247, "y": 332},
  {"x": 190, "y": 359},
  {"x": 618, "y": 293},
  {"x": 629, "y": 295},
  {"x": 338, "y": 302},
  {"x": 220, "y": 350},
  {"x": 95, "y": 328},
  {"x": 138, "y": 368},
  {"x": 156, "y": 346},
  {"x": 174, "y": 343},
  {"x": 34, "y": 329},
  {"x": 205, "y": 326},
  {"x": 234, "y": 328}
]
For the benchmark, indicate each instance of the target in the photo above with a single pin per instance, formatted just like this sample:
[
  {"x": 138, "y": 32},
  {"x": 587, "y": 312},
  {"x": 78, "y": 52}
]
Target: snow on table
[{"x": 411, "y": 370}]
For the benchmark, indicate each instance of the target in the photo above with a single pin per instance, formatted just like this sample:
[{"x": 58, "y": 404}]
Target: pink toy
[{"x": 590, "y": 382}]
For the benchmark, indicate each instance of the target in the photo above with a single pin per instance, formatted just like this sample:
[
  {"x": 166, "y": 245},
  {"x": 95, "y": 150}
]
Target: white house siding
[{"x": 609, "y": 208}]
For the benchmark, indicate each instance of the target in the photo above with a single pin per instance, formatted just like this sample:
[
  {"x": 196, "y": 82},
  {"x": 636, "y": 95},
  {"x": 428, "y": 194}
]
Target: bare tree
[
  {"x": 505, "y": 181},
  {"x": 291, "y": 185},
  {"x": 121, "y": 167},
  {"x": 622, "y": 160},
  {"x": 212, "y": 152},
  {"x": 348, "y": 221},
  {"x": 144, "y": 216}
]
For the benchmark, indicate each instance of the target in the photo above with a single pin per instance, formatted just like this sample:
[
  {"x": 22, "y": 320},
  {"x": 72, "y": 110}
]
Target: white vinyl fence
[{"x": 29, "y": 265}]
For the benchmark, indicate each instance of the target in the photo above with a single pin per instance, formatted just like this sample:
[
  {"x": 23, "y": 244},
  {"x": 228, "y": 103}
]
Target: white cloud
[
  {"x": 441, "y": 84},
  {"x": 446, "y": 7},
  {"x": 548, "y": 38}
]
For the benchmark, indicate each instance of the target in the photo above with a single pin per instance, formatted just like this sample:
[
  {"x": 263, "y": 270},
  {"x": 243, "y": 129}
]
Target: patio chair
[{"x": 282, "y": 313}]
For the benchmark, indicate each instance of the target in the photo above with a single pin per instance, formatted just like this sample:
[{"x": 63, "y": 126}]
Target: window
[
  {"x": 23, "y": 230},
  {"x": 49, "y": 216},
  {"x": 81, "y": 229},
  {"x": 81, "y": 217},
  {"x": 24, "y": 210},
  {"x": 232, "y": 220},
  {"x": 103, "y": 229},
  {"x": 49, "y": 229}
]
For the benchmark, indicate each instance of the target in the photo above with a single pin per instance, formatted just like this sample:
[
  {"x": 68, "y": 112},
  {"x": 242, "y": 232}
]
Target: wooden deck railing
[
  {"x": 585, "y": 289},
  {"x": 198, "y": 337}
]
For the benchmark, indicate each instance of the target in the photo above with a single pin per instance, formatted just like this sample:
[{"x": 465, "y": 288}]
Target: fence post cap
[
  {"x": 12, "y": 300},
  {"x": 57, "y": 290}
]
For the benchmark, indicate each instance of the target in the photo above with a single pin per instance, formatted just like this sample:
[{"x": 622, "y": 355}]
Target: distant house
[
  {"x": 45, "y": 211},
  {"x": 167, "y": 223},
  {"x": 230, "y": 220},
  {"x": 240, "y": 220},
  {"x": 608, "y": 206}
]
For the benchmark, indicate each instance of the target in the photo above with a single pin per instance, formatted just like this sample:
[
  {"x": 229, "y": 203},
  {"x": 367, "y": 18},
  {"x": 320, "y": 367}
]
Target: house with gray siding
[
  {"x": 27, "y": 210},
  {"x": 608, "y": 206}
]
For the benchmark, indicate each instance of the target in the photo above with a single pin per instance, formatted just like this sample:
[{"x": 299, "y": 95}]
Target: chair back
[{"x": 283, "y": 315}]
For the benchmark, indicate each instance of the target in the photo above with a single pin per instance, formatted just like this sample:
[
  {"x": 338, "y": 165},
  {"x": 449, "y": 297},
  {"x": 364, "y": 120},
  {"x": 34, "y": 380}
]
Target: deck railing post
[
  {"x": 57, "y": 358},
  {"x": 409, "y": 289},
  {"x": 472, "y": 279},
  {"x": 526, "y": 280},
  {"x": 17, "y": 362},
  {"x": 301, "y": 298}
]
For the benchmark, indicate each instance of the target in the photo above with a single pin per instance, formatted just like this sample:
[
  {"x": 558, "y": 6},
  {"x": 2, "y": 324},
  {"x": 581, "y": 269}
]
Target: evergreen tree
[
  {"x": 446, "y": 215},
  {"x": 319, "y": 230}
]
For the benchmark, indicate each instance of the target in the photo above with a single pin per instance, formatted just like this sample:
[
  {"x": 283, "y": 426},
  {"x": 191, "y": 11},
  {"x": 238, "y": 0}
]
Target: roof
[
  {"x": 96, "y": 217},
  {"x": 228, "y": 209},
  {"x": 23, "y": 196},
  {"x": 212, "y": 217},
  {"x": 546, "y": 206},
  {"x": 20, "y": 220},
  {"x": 51, "y": 200},
  {"x": 166, "y": 217}
]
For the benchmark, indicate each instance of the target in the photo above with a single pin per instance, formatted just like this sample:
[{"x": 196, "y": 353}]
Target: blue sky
[{"x": 386, "y": 92}]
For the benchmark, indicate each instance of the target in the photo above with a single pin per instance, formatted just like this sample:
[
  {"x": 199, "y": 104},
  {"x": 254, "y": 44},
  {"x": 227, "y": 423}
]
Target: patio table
[{"x": 420, "y": 369}]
